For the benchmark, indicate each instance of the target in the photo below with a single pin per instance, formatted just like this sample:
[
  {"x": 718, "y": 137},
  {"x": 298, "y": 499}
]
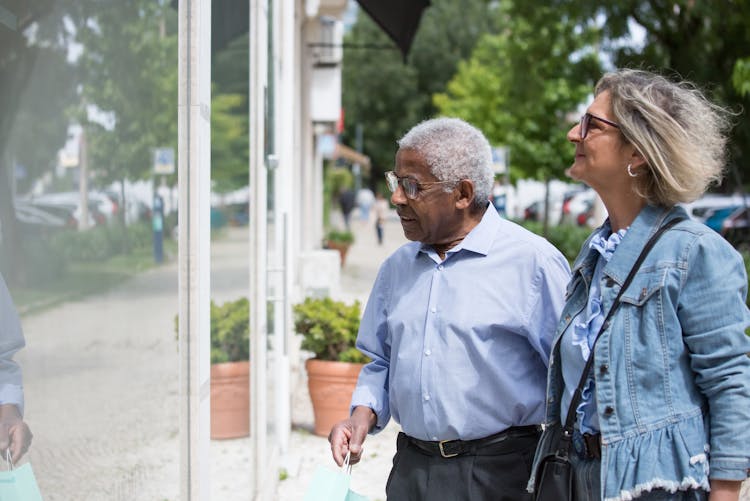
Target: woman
[{"x": 664, "y": 413}]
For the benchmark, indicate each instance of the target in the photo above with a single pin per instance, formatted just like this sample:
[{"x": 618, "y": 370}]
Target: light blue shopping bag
[
  {"x": 329, "y": 485},
  {"x": 19, "y": 484}
]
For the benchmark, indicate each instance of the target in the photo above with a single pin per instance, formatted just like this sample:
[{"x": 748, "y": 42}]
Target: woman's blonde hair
[{"x": 680, "y": 133}]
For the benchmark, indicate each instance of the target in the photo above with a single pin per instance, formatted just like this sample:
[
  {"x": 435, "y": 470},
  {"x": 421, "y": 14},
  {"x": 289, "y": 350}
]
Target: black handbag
[{"x": 554, "y": 480}]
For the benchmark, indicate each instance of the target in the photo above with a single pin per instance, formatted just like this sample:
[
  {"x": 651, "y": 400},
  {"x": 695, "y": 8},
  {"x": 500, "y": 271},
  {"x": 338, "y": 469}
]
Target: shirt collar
[{"x": 479, "y": 239}]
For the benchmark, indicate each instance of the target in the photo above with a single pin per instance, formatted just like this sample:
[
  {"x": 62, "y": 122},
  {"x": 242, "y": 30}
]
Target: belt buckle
[{"x": 442, "y": 451}]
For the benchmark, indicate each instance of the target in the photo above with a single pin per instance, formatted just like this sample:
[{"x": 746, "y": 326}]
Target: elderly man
[{"x": 459, "y": 326}]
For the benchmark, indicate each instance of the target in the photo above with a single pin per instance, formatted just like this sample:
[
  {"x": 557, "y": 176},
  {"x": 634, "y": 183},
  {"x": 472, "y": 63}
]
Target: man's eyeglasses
[
  {"x": 411, "y": 186},
  {"x": 586, "y": 120}
]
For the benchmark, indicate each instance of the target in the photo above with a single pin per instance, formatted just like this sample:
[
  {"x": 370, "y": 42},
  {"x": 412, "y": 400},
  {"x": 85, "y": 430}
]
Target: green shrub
[
  {"x": 329, "y": 329},
  {"x": 230, "y": 331},
  {"x": 567, "y": 238},
  {"x": 101, "y": 242},
  {"x": 342, "y": 236}
]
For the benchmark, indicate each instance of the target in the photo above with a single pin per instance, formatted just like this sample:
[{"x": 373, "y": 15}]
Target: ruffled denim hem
[{"x": 672, "y": 458}]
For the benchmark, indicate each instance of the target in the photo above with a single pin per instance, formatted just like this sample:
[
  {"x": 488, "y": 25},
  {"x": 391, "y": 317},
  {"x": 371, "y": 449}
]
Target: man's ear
[{"x": 464, "y": 194}]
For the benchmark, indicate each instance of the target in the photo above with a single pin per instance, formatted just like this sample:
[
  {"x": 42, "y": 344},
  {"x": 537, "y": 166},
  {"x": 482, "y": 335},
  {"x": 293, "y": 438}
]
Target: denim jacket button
[
  {"x": 603, "y": 369},
  {"x": 609, "y": 410},
  {"x": 609, "y": 282}
]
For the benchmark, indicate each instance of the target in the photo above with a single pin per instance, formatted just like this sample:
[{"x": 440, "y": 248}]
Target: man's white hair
[{"x": 454, "y": 150}]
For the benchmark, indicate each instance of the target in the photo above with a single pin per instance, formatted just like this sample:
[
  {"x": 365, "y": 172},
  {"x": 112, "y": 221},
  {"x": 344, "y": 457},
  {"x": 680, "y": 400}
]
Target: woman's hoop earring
[{"x": 631, "y": 173}]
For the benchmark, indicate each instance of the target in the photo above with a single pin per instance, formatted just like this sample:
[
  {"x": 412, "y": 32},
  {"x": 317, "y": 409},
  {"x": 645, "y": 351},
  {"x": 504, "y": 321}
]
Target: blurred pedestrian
[
  {"x": 663, "y": 410},
  {"x": 365, "y": 200},
  {"x": 15, "y": 434},
  {"x": 347, "y": 200},
  {"x": 381, "y": 213},
  {"x": 458, "y": 326}
]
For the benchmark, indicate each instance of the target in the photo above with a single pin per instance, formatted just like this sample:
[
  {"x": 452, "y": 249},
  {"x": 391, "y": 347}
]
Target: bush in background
[{"x": 566, "y": 237}]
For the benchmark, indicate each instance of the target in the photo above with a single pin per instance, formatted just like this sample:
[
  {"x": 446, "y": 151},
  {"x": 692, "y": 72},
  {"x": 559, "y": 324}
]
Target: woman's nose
[{"x": 574, "y": 134}]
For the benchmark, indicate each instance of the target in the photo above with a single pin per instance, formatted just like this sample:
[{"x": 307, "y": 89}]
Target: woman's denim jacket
[{"x": 672, "y": 372}]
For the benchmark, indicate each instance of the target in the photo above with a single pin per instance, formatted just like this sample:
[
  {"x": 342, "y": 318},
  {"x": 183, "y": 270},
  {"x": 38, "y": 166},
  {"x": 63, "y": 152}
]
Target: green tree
[
  {"x": 129, "y": 70},
  {"x": 700, "y": 40},
  {"x": 387, "y": 96},
  {"x": 523, "y": 85},
  {"x": 36, "y": 83},
  {"x": 229, "y": 116},
  {"x": 229, "y": 142}
]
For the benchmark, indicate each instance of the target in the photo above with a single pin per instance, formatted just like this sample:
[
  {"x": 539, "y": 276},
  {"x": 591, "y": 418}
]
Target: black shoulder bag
[{"x": 554, "y": 473}]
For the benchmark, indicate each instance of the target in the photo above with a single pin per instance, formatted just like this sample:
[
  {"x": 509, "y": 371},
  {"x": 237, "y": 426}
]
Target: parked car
[
  {"x": 577, "y": 209},
  {"x": 702, "y": 208},
  {"x": 31, "y": 215},
  {"x": 736, "y": 228}
]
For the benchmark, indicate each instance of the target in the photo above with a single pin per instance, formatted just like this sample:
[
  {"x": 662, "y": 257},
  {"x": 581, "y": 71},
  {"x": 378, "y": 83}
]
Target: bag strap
[{"x": 567, "y": 432}]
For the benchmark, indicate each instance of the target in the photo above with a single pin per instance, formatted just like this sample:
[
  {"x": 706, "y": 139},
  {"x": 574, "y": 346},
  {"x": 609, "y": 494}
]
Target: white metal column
[
  {"x": 194, "y": 176},
  {"x": 283, "y": 61},
  {"x": 263, "y": 479}
]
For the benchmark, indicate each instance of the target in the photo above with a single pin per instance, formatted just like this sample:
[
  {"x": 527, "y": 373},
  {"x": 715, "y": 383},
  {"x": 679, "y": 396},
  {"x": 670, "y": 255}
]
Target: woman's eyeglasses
[
  {"x": 586, "y": 120},
  {"x": 411, "y": 186}
]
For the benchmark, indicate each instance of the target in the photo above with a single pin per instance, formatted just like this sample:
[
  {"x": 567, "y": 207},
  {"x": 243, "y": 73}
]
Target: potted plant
[
  {"x": 329, "y": 330},
  {"x": 340, "y": 240},
  {"x": 230, "y": 369}
]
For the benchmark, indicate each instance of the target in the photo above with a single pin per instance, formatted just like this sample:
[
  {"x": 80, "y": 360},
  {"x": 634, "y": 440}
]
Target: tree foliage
[
  {"x": 388, "y": 96},
  {"x": 522, "y": 86},
  {"x": 129, "y": 69},
  {"x": 36, "y": 84},
  {"x": 229, "y": 117},
  {"x": 700, "y": 40}
]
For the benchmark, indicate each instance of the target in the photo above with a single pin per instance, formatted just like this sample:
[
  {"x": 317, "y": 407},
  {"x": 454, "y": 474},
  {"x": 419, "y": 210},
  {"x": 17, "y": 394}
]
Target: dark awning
[{"x": 398, "y": 18}]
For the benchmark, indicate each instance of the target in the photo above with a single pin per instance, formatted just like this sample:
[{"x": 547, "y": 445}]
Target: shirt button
[
  {"x": 609, "y": 410},
  {"x": 440, "y": 267},
  {"x": 434, "y": 438},
  {"x": 433, "y": 309},
  {"x": 427, "y": 352},
  {"x": 426, "y": 396}
]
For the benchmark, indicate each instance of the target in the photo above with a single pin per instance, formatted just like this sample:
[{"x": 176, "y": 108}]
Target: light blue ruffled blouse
[{"x": 577, "y": 342}]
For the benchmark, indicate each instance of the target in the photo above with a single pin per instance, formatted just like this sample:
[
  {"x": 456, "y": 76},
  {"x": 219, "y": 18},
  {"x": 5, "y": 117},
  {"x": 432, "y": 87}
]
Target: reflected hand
[{"x": 15, "y": 434}]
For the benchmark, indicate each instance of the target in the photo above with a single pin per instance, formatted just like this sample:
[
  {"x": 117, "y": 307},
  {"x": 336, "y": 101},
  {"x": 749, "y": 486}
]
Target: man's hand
[
  {"x": 14, "y": 433},
  {"x": 349, "y": 434}
]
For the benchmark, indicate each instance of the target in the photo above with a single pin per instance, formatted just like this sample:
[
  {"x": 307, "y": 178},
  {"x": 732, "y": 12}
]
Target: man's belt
[{"x": 453, "y": 448}]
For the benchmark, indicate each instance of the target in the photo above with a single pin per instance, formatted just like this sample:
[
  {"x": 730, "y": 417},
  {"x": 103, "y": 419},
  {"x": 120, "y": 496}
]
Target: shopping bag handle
[{"x": 346, "y": 467}]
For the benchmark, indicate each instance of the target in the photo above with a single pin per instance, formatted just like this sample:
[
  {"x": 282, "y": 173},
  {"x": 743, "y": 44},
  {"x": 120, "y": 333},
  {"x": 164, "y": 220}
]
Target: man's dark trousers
[{"x": 487, "y": 470}]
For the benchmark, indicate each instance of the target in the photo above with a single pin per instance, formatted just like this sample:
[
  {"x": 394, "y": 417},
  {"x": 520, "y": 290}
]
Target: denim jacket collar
[{"x": 643, "y": 227}]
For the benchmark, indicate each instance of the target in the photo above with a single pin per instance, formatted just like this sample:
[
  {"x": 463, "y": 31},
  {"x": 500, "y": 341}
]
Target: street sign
[
  {"x": 164, "y": 161},
  {"x": 500, "y": 159}
]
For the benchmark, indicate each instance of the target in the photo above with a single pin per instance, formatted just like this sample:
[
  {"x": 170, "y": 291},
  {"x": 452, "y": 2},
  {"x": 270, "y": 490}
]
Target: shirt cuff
[{"x": 12, "y": 394}]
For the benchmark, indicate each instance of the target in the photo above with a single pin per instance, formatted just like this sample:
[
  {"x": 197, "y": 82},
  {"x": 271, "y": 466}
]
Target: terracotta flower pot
[
  {"x": 331, "y": 385},
  {"x": 230, "y": 400},
  {"x": 342, "y": 247}
]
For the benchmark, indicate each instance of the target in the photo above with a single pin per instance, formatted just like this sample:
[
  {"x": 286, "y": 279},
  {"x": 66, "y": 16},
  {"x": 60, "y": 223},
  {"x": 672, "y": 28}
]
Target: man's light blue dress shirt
[
  {"x": 11, "y": 340},
  {"x": 460, "y": 347}
]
